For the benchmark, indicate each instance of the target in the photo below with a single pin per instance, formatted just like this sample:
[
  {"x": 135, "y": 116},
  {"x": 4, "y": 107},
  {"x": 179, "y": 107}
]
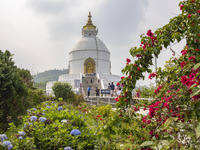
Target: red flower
[
  {"x": 118, "y": 83},
  {"x": 181, "y": 7},
  {"x": 193, "y": 1},
  {"x": 149, "y": 33},
  {"x": 117, "y": 99},
  {"x": 151, "y": 132},
  {"x": 192, "y": 58},
  {"x": 189, "y": 16},
  {"x": 128, "y": 61},
  {"x": 138, "y": 55},
  {"x": 134, "y": 64},
  {"x": 122, "y": 77},
  {"x": 138, "y": 68},
  {"x": 184, "y": 79},
  {"x": 198, "y": 11},
  {"x": 152, "y": 75},
  {"x": 182, "y": 64},
  {"x": 98, "y": 116},
  {"x": 184, "y": 52}
]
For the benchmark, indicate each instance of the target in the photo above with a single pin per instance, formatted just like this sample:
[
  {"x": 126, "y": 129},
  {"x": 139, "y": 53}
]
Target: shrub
[{"x": 63, "y": 90}]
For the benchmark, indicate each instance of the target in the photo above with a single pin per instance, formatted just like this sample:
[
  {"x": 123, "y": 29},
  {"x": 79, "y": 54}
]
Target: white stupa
[{"x": 89, "y": 56}]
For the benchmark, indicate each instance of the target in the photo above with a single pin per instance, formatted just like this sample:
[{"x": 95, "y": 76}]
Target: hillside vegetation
[{"x": 50, "y": 75}]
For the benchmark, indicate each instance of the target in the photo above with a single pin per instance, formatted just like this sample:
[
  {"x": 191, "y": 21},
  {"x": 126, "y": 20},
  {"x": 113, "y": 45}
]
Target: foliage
[
  {"x": 172, "y": 121},
  {"x": 78, "y": 100},
  {"x": 52, "y": 129},
  {"x": 63, "y": 90},
  {"x": 50, "y": 75},
  {"x": 12, "y": 89},
  {"x": 40, "y": 85},
  {"x": 27, "y": 78}
]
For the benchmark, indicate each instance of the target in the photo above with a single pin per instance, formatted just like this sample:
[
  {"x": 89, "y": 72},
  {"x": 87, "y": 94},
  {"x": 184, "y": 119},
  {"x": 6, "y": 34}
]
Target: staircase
[{"x": 91, "y": 81}]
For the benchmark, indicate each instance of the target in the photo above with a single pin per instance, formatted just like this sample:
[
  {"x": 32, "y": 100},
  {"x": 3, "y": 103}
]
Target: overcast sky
[{"x": 41, "y": 33}]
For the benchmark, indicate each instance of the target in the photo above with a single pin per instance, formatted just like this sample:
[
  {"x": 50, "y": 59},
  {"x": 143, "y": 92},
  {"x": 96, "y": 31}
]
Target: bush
[{"x": 63, "y": 90}]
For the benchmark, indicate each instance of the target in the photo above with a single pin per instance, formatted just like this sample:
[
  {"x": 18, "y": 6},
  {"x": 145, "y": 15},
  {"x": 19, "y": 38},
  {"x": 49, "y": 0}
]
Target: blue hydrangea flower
[
  {"x": 10, "y": 146},
  {"x": 64, "y": 121},
  {"x": 60, "y": 108},
  {"x": 34, "y": 109},
  {"x": 6, "y": 143},
  {"x": 43, "y": 113},
  {"x": 75, "y": 132},
  {"x": 48, "y": 106},
  {"x": 42, "y": 119},
  {"x": 67, "y": 148},
  {"x": 20, "y": 137},
  {"x": 22, "y": 133},
  {"x": 3, "y": 137},
  {"x": 28, "y": 110},
  {"x": 33, "y": 118}
]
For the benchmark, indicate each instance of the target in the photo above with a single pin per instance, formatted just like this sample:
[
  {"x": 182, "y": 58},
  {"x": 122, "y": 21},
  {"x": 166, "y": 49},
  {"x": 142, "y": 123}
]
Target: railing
[{"x": 98, "y": 100}]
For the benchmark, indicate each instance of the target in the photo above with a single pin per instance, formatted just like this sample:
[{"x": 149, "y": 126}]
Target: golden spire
[{"x": 89, "y": 24}]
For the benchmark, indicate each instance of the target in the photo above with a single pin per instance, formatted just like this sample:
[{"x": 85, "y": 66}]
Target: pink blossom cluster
[
  {"x": 158, "y": 89},
  {"x": 152, "y": 75}
]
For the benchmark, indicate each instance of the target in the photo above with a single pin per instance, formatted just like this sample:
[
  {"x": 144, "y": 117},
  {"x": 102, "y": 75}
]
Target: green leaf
[
  {"x": 198, "y": 130},
  {"x": 197, "y": 66},
  {"x": 168, "y": 123},
  {"x": 147, "y": 143}
]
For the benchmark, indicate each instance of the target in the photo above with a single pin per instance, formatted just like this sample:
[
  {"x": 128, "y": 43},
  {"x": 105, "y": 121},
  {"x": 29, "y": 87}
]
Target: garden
[{"x": 172, "y": 121}]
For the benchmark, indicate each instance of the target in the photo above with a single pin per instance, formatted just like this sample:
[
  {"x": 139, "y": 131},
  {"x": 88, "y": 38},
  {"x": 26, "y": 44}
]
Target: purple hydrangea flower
[
  {"x": 43, "y": 113},
  {"x": 28, "y": 110},
  {"x": 34, "y": 109},
  {"x": 48, "y": 106},
  {"x": 60, "y": 108},
  {"x": 3, "y": 137},
  {"x": 33, "y": 118},
  {"x": 75, "y": 132},
  {"x": 22, "y": 133},
  {"x": 42, "y": 119},
  {"x": 67, "y": 148}
]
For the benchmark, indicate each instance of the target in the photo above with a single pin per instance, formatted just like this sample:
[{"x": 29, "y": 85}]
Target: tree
[
  {"x": 174, "y": 117},
  {"x": 63, "y": 90},
  {"x": 12, "y": 89}
]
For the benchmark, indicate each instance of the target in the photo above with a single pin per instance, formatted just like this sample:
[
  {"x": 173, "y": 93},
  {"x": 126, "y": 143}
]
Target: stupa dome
[{"x": 89, "y": 52}]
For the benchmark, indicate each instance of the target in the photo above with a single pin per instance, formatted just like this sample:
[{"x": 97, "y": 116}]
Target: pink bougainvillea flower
[
  {"x": 192, "y": 58},
  {"x": 152, "y": 75},
  {"x": 149, "y": 33},
  {"x": 184, "y": 52},
  {"x": 138, "y": 55},
  {"x": 189, "y": 16},
  {"x": 184, "y": 79},
  {"x": 128, "y": 60},
  {"x": 181, "y": 7},
  {"x": 122, "y": 77},
  {"x": 138, "y": 68},
  {"x": 151, "y": 132},
  {"x": 182, "y": 64},
  {"x": 117, "y": 99}
]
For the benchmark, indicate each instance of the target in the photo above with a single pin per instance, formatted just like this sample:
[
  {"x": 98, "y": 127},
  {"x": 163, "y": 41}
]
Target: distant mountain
[{"x": 50, "y": 75}]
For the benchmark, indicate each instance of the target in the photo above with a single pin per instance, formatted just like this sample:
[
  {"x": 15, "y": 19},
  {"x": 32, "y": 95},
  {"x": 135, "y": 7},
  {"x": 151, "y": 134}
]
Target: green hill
[{"x": 50, "y": 75}]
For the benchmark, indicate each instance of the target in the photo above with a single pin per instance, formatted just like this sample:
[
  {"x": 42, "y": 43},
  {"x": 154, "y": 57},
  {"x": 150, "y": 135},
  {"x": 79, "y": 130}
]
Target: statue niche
[{"x": 89, "y": 66}]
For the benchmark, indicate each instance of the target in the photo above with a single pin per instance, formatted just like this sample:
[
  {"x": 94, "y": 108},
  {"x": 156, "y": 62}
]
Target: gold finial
[{"x": 89, "y": 24}]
